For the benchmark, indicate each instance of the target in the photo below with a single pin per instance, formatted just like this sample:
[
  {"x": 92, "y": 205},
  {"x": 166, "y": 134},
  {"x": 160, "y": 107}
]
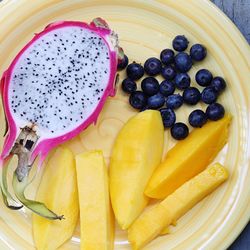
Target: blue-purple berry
[
  {"x": 218, "y": 83},
  {"x": 128, "y": 86},
  {"x": 123, "y": 63},
  {"x": 152, "y": 66},
  {"x": 156, "y": 101},
  {"x": 182, "y": 81},
  {"x": 174, "y": 101},
  {"x": 150, "y": 86},
  {"x": 203, "y": 77},
  {"x": 183, "y": 62},
  {"x": 179, "y": 131},
  {"x": 135, "y": 71},
  {"x": 209, "y": 95},
  {"x": 215, "y": 111},
  {"x": 138, "y": 100},
  {"x": 167, "y": 87},
  {"x": 191, "y": 96},
  {"x": 180, "y": 43},
  {"x": 168, "y": 117},
  {"x": 198, "y": 52},
  {"x": 197, "y": 118},
  {"x": 168, "y": 72},
  {"x": 167, "y": 56}
]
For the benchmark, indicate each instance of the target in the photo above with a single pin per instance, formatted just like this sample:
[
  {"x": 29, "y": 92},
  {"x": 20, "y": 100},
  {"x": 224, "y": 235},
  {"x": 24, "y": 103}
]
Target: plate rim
[{"x": 245, "y": 216}]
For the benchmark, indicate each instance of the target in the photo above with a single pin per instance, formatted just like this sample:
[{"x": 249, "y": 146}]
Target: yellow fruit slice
[
  {"x": 97, "y": 224},
  {"x": 58, "y": 190},
  {"x": 188, "y": 158},
  {"x": 136, "y": 153},
  {"x": 152, "y": 222}
]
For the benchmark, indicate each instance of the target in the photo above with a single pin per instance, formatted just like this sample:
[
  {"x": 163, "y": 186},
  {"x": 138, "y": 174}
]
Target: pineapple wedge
[
  {"x": 188, "y": 158},
  {"x": 152, "y": 222},
  {"x": 58, "y": 190},
  {"x": 136, "y": 153},
  {"x": 97, "y": 224}
]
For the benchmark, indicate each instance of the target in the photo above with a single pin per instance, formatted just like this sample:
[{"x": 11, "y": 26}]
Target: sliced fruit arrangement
[
  {"x": 173, "y": 68},
  {"x": 57, "y": 86},
  {"x": 188, "y": 158},
  {"x": 58, "y": 191},
  {"x": 96, "y": 216},
  {"x": 54, "y": 88},
  {"x": 136, "y": 153},
  {"x": 151, "y": 223}
]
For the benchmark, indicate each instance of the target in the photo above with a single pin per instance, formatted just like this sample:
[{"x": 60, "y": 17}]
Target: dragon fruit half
[{"x": 55, "y": 87}]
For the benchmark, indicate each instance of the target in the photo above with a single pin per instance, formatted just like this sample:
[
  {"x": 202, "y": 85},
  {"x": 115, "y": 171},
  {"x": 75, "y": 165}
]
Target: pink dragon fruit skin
[{"x": 43, "y": 143}]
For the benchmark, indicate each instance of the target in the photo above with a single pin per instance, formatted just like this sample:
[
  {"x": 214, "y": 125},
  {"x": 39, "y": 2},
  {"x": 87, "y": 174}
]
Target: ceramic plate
[{"x": 145, "y": 28}]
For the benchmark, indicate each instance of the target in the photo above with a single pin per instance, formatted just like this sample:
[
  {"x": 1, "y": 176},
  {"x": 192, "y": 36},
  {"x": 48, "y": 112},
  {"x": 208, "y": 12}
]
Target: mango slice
[
  {"x": 151, "y": 223},
  {"x": 58, "y": 190},
  {"x": 97, "y": 224},
  {"x": 136, "y": 153},
  {"x": 188, "y": 158}
]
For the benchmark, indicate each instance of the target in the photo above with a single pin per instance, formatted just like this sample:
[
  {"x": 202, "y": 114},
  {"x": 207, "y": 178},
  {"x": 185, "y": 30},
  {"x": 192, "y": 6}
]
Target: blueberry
[
  {"x": 215, "y": 111},
  {"x": 182, "y": 81},
  {"x": 180, "y": 43},
  {"x": 135, "y": 71},
  {"x": 168, "y": 72},
  {"x": 167, "y": 56},
  {"x": 203, "y": 77},
  {"x": 138, "y": 100},
  {"x": 129, "y": 86},
  {"x": 174, "y": 101},
  {"x": 218, "y": 83},
  {"x": 198, "y": 52},
  {"x": 152, "y": 66},
  {"x": 168, "y": 117},
  {"x": 167, "y": 87},
  {"x": 150, "y": 86},
  {"x": 156, "y": 101},
  {"x": 191, "y": 96},
  {"x": 183, "y": 62},
  {"x": 197, "y": 118},
  {"x": 123, "y": 63},
  {"x": 179, "y": 131},
  {"x": 209, "y": 95}
]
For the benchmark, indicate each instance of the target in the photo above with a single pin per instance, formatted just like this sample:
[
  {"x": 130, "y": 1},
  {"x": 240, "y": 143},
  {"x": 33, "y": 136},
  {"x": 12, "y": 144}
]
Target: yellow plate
[{"x": 145, "y": 28}]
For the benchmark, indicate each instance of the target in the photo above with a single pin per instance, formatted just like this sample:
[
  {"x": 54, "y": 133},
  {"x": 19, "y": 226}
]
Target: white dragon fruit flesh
[{"x": 54, "y": 88}]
